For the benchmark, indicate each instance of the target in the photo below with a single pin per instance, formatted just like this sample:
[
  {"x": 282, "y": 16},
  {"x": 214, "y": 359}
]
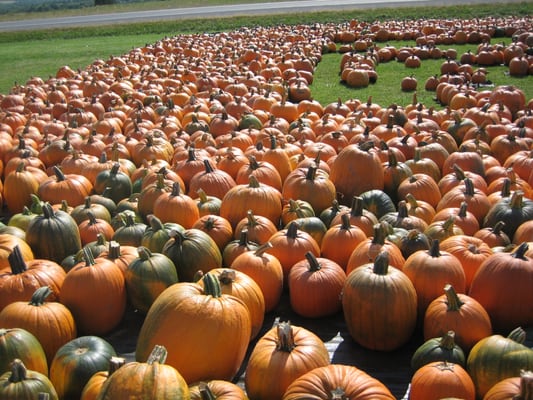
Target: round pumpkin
[
  {"x": 442, "y": 379},
  {"x": 21, "y": 383}
]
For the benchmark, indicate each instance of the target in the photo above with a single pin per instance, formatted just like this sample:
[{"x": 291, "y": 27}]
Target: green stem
[{"x": 39, "y": 296}]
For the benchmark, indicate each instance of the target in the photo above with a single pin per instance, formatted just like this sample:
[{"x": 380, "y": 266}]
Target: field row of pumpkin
[{"x": 196, "y": 180}]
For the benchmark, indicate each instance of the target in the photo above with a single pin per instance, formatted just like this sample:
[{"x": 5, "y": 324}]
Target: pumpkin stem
[
  {"x": 16, "y": 261},
  {"x": 227, "y": 276},
  {"x": 338, "y": 394},
  {"x": 520, "y": 251},
  {"x": 518, "y": 335},
  {"x": 452, "y": 299},
  {"x": 447, "y": 341},
  {"x": 262, "y": 249},
  {"x": 39, "y": 296},
  {"x": 144, "y": 253},
  {"x": 314, "y": 265},
  {"x": 516, "y": 202},
  {"x": 526, "y": 386},
  {"x": 158, "y": 354},
  {"x": 114, "y": 364},
  {"x": 205, "y": 392},
  {"x": 346, "y": 223},
  {"x": 285, "y": 337},
  {"x": 59, "y": 173},
  {"x": 381, "y": 264},
  {"x": 379, "y": 234},
  {"x": 434, "y": 250},
  {"x": 88, "y": 256},
  {"x": 357, "y": 206},
  {"x": 311, "y": 173},
  {"x": 18, "y": 371},
  {"x": 292, "y": 230},
  {"x": 211, "y": 285},
  {"x": 155, "y": 223}
]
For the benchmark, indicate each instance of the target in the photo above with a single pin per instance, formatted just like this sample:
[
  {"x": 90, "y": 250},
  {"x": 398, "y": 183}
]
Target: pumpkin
[
  {"x": 217, "y": 227},
  {"x": 93, "y": 227},
  {"x": 240, "y": 285},
  {"x": 8, "y": 242},
  {"x": 93, "y": 386},
  {"x": 441, "y": 348},
  {"x": 217, "y": 389},
  {"x": 516, "y": 387},
  {"x": 497, "y": 357},
  {"x": 315, "y": 285},
  {"x": 236, "y": 247},
  {"x": 431, "y": 269},
  {"x": 153, "y": 379},
  {"x": 214, "y": 330},
  {"x": 337, "y": 381},
  {"x": 265, "y": 269},
  {"x": 281, "y": 355},
  {"x": 513, "y": 211},
  {"x": 441, "y": 379},
  {"x": 213, "y": 181},
  {"x": 18, "y": 185},
  {"x": 176, "y": 207},
  {"x": 117, "y": 183},
  {"x": 356, "y": 169},
  {"x": 259, "y": 228},
  {"x": 21, "y": 383},
  {"x": 158, "y": 233},
  {"x": 76, "y": 362},
  {"x": 191, "y": 251},
  {"x": 94, "y": 291},
  {"x": 359, "y": 216},
  {"x": 378, "y": 299},
  {"x": 130, "y": 233},
  {"x": 58, "y": 225},
  {"x": 262, "y": 199},
  {"x": 147, "y": 276},
  {"x": 27, "y": 276},
  {"x": 18, "y": 343},
  {"x": 502, "y": 285},
  {"x": 50, "y": 322},
  {"x": 460, "y": 313},
  {"x": 73, "y": 188}
]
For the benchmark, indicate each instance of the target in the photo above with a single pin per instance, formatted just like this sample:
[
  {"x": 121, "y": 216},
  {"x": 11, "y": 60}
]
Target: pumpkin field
[{"x": 186, "y": 220}]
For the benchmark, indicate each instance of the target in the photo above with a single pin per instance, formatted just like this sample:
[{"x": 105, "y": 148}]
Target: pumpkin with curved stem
[
  {"x": 50, "y": 322},
  {"x": 119, "y": 182},
  {"x": 430, "y": 269},
  {"x": 280, "y": 356},
  {"x": 21, "y": 344},
  {"x": 441, "y": 348},
  {"x": 207, "y": 204},
  {"x": 494, "y": 236},
  {"x": 70, "y": 187},
  {"x": 315, "y": 285},
  {"x": 263, "y": 171},
  {"x": 158, "y": 233},
  {"x": 191, "y": 312},
  {"x": 95, "y": 312},
  {"x": 76, "y": 362},
  {"x": 512, "y": 211},
  {"x": 153, "y": 379},
  {"x": 442, "y": 379},
  {"x": 131, "y": 232},
  {"x": 379, "y": 283},
  {"x": 192, "y": 250},
  {"x": 236, "y": 247},
  {"x": 491, "y": 285},
  {"x": 20, "y": 382},
  {"x": 460, "y": 313},
  {"x": 19, "y": 184},
  {"x": 497, "y": 357},
  {"x": 359, "y": 216},
  {"x": 337, "y": 381},
  {"x": 147, "y": 276}
]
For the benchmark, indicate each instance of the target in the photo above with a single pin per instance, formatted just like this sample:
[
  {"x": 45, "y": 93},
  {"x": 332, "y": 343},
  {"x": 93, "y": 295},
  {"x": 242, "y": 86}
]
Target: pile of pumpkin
[{"x": 195, "y": 180}]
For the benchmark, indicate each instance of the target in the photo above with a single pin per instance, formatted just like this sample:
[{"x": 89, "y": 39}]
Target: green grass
[{"x": 41, "y": 53}]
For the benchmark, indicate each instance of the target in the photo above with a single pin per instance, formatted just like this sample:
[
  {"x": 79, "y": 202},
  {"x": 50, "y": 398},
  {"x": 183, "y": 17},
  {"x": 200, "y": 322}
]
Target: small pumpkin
[
  {"x": 441, "y": 348},
  {"x": 20, "y": 383},
  {"x": 442, "y": 379},
  {"x": 217, "y": 389}
]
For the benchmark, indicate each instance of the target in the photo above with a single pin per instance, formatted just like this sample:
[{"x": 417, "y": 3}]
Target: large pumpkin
[{"x": 213, "y": 330}]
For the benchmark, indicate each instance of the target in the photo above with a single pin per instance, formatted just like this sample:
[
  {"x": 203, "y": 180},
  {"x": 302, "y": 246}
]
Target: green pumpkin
[
  {"x": 76, "y": 361},
  {"x": 54, "y": 235},
  {"x": 377, "y": 202},
  {"x": 18, "y": 343},
  {"x": 116, "y": 183},
  {"x": 20, "y": 383},
  {"x": 191, "y": 251},
  {"x": 131, "y": 233},
  {"x": 158, "y": 233},
  {"x": 513, "y": 211},
  {"x": 438, "y": 349},
  {"x": 496, "y": 357},
  {"x": 147, "y": 276}
]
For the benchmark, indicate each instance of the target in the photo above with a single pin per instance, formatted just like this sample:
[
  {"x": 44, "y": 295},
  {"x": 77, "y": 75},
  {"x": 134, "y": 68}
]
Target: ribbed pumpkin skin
[
  {"x": 380, "y": 309},
  {"x": 222, "y": 390},
  {"x": 213, "y": 332},
  {"x": 503, "y": 285},
  {"x": 27, "y": 386},
  {"x": 497, "y": 357},
  {"x": 53, "y": 235},
  {"x": 272, "y": 368},
  {"x": 21, "y": 344},
  {"x": 137, "y": 380},
  {"x": 354, "y": 383},
  {"x": 438, "y": 380},
  {"x": 76, "y": 362}
]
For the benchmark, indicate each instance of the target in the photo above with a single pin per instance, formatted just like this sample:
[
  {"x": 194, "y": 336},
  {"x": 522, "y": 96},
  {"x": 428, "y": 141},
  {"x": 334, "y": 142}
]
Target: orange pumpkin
[{"x": 441, "y": 379}]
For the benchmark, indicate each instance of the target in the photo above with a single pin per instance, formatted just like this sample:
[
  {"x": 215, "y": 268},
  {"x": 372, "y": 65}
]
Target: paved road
[{"x": 225, "y": 10}]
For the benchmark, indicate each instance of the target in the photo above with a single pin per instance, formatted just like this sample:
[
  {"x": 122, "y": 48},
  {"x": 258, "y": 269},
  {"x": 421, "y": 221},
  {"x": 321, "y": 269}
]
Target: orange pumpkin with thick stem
[
  {"x": 92, "y": 388},
  {"x": 280, "y": 356},
  {"x": 460, "y": 313},
  {"x": 191, "y": 312},
  {"x": 337, "y": 381},
  {"x": 378, "y": 283},
  {"x": 70, "y": 187}
]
